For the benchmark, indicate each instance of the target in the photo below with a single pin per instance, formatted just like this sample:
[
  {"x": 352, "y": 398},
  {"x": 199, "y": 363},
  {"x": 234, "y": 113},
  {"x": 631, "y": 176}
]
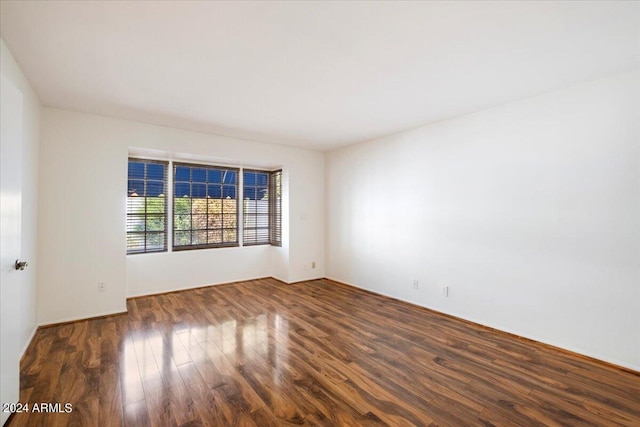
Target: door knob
[{"x": 21, "y": 265}]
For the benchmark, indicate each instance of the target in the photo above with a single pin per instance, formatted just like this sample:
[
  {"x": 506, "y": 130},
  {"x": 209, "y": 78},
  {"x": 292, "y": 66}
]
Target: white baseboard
[
  {"x": 75, "y": 319},
  {"x": 28, "y": 342}
]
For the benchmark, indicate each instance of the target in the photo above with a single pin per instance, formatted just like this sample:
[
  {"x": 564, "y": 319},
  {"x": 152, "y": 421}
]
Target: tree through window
[{"x": 205, "y": 206}]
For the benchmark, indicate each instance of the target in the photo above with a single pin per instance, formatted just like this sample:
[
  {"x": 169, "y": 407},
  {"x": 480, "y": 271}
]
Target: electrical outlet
[
  {"x": 102, "y": 287},
  {"x": 445, "y": 291},
  {"x": 415, "y": 284},
  {"x": 313, "y": 264}
]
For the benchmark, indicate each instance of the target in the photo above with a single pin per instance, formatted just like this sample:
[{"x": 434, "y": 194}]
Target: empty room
[{"x": 331, "y": 213}]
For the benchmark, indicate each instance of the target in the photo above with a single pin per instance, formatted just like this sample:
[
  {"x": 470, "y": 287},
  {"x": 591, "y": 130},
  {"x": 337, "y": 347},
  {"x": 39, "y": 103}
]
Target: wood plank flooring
[{"x": 261, "y": 353}]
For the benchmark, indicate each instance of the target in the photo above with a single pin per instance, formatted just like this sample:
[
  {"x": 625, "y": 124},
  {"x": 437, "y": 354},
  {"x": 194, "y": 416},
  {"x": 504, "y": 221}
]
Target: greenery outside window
[{"x": 205, "y": 206}]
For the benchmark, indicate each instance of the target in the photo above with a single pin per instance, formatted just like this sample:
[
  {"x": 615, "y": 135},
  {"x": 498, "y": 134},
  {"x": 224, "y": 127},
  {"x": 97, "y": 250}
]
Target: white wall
[
  {"x": 29, "y": 224},
  {"x": 82, "y": 221},
  {"x": 529, "y": 212}
]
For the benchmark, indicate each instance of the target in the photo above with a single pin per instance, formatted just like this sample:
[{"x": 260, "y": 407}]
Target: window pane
[
  {"x": 214, "y": 175},
  {"x": 262, "y": 179},
  {"x": 215, "y": 221},
  {"x": 249, "y": 179},
  {"x": 230, "y": 221},
  {"x": 262, "y": 221},
  {"x": 199, "y": 222},
  {"x": 136, "y": 170},
  {"x": 262, "y": 207},
  {"x": 155, "y": 188},
  {"x": 199, "y": 238},
  {"x": 183, "y": 189},
  {"x": 214, "y": 206},
  {"x": 135, "y": 223},
  {"x": 212, "y": 191},
  {"x": 135, "y": 242},
  {"x": 215, "y": 236},
  {"x": 249, "y": 221},
  {"x": 199, "y": 175},
  {"x": 250, "y": 193},
  {"x": 182, "y": 238},
  {"x": 182, "y": 222},
  {"x": 182, "y": 206},
  {"x": 262, "y": 193},
  {"x": 146, "y": 206},
  {"x": 262, "y": 235},
  {"x": 249, "y": 235},
  {"x": 249, "y": 206},
  {"x": 156, "y": 171},
  {"x": 155, "y": 241},
  {"x": 229, "y": 192},
  {"x": 199, "y": 206},
  {"x": 229, "y": 177},
  {"x": 136, "y": 188},
  {"x": 230, "y": 236},
  {"x": 230, "y": 207},
  {"x": 183, "y": 173},
  {"x": 199, "y": 191},
  {"x": 135, "y": 205},
  {"x": 155, "y": 205},
  {"x": 155, "y": 223},
  {"x": 275, "y": 205}
]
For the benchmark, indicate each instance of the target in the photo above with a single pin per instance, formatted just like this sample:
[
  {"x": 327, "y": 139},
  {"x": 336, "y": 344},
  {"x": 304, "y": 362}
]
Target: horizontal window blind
[
  {"x": 262, "y": 207},
  {"x": 146, "y": 206},
  {"x": 205, "y": 206},
  {"x": 255, "y": 207},
  {"x": 275, "y": 208}
]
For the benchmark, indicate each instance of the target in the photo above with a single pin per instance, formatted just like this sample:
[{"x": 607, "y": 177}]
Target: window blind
[
  {"x": 275, "y": 208},
  {"x": 255, "y": 207},
  {"x": 262, "y": 207},
  {"x": 146, "y": 206}
]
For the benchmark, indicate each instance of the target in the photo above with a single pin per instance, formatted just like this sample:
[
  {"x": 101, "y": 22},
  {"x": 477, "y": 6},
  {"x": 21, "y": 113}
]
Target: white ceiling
[{"x": 312, "y": 74}]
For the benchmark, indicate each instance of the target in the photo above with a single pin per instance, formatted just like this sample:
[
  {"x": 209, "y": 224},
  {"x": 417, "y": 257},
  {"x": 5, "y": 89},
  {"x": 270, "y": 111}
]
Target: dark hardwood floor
[{"x": 261, "y": 353}]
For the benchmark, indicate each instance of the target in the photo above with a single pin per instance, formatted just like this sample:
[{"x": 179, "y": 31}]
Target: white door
[{"x": 10, "y": 238}]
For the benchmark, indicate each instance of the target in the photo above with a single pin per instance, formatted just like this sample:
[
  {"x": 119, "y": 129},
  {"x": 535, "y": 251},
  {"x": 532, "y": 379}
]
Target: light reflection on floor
[{"x": 149, "y": 356}]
